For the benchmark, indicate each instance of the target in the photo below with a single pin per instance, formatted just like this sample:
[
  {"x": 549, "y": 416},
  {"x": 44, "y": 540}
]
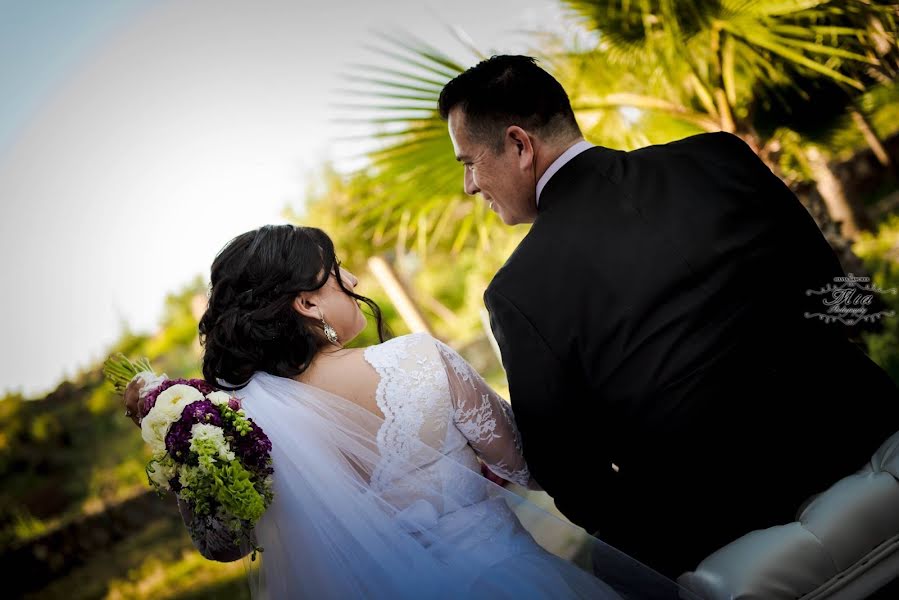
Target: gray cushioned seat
[{"x": 844, "y": 544}]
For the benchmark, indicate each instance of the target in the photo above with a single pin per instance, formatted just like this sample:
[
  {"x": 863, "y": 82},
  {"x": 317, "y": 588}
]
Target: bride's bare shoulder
[
  {"x": 400, "y": 346},
  {"x": 345, "y": 373}
]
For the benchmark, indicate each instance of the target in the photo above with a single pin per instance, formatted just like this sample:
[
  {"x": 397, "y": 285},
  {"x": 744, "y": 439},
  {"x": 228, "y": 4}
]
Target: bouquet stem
[{"x": 119, "y": 370}]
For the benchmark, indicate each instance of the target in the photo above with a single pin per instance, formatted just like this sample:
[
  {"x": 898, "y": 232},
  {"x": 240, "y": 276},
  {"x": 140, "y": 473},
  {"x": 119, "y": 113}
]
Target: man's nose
[{"x": 468, "y": 184}]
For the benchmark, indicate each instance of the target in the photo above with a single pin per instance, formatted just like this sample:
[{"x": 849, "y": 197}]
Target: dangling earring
[{"x": 330, "y": 334}]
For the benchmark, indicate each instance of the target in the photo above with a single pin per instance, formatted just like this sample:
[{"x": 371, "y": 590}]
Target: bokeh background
[{"x": 137, "y": 137}]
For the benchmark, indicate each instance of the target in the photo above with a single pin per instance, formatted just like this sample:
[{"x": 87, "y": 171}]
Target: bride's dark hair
[{"x": 250, "y": 324}]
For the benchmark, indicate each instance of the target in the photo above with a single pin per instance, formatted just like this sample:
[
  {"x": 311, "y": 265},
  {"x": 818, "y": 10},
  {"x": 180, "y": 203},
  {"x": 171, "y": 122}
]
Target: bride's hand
[
  {"x": 490, "y": 475},
  {"x": 132, "y": 402}
]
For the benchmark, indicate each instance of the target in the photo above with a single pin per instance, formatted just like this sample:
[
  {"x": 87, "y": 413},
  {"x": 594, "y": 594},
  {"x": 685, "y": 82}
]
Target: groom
[{"x": 670, "y": 391}]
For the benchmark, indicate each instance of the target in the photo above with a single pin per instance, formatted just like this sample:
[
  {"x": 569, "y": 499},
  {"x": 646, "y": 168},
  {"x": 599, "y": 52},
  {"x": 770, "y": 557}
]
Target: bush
[{"x": 880, "y": 253}]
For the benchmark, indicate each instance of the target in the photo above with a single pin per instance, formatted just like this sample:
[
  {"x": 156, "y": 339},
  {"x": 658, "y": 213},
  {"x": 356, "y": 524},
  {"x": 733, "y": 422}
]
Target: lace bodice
[{"x": 428, "y": 392}]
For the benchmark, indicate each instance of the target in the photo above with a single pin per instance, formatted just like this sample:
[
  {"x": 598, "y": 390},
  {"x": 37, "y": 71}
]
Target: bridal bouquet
[{"x": 205, "y": 449}]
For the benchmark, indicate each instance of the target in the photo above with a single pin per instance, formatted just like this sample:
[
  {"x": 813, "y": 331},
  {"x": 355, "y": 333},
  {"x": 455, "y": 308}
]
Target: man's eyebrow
[{"x": 461, "y": 158}]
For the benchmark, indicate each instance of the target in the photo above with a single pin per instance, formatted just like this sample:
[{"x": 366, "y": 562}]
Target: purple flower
[
  {"x": 202, "y": 411},
  {"x": 254, "y": 448},
  {"x": 234, "y": 403},
  {"x": 177, "y": 441}
]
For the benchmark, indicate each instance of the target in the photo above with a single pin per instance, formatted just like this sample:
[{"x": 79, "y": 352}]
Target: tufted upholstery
[{"x": 845, "y": 544}]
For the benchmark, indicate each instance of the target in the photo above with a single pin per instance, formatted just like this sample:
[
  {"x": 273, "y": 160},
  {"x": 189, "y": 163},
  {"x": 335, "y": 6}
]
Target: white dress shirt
[{"x": 559, "y": 163}]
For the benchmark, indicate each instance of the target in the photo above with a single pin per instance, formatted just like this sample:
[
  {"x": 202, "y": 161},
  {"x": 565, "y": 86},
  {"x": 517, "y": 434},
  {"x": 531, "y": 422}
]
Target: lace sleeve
[
  {"x": 210, "y": 537},
  {"x": 485, "y": 419}
]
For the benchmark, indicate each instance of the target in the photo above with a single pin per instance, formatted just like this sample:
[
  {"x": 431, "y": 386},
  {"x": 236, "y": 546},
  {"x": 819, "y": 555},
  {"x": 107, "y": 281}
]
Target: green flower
[{"x": 235, "y": 492}]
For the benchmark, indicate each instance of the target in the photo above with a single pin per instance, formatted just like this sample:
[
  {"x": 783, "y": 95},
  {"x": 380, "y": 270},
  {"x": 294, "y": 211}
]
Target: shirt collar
[{"x": 566, "y": 156}]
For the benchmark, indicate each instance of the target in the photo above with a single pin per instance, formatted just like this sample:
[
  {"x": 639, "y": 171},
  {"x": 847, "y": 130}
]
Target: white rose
[
  {"x": 218, "y": 398},
  {"x": 168, "y": 408}
]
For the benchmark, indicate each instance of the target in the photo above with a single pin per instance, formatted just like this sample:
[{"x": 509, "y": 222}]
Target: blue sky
[
  {"x": 137, "y": 137},
  {"x": 41, "y": 42}
]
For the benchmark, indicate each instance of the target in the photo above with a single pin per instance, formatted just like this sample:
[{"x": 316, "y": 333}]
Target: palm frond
[{"x": 419, "y": 200}]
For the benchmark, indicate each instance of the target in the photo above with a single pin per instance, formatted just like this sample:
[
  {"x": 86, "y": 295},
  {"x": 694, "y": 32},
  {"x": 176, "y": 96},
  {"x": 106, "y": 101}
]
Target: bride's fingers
[{"x": 132, "y": 401}]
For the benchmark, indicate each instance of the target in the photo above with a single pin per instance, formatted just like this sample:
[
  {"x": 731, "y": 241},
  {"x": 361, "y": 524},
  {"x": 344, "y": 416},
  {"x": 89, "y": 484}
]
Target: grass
[{"x": 159, "y": 563}]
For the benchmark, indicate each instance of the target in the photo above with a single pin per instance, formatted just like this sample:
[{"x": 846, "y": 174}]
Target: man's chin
[
  {"x": 504, "y": 216},
  {"x": 512, "y": 219}
]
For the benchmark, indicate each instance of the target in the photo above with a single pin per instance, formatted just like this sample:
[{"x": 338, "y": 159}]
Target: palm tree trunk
[
  {"x": 870, "y": 136},
  {"x": 727, "y": 117},
  {"x": 851, "y": 215},
  {"x": 407, "y": 308}
]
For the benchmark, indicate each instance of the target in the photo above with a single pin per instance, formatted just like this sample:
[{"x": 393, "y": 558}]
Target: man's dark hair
[{"x": 509, "y": 90}]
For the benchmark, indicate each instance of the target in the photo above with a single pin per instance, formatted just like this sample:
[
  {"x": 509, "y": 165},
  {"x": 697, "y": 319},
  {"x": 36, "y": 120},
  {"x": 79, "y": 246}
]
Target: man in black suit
[{"x": 671, "y": 393}]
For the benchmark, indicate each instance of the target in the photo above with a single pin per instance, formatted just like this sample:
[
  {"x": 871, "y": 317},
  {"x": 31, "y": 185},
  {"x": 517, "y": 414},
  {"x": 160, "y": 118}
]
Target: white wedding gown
[{"x": 398, "y": 508}]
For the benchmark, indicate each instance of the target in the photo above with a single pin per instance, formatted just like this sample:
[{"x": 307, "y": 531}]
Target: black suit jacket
[{"x": 653, "y": 318}]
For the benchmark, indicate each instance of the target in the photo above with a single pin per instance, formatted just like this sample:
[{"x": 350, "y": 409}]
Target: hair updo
[{"x": 250, "y": 324}]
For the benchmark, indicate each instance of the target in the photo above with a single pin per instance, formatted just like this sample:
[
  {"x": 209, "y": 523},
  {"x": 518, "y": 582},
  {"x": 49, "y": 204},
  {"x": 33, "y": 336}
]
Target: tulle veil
[{"x": 346, "y": 524}]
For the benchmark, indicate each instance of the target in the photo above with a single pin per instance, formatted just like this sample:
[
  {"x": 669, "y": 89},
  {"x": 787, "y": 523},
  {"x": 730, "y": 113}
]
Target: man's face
[{"x": 507, "y": 180}]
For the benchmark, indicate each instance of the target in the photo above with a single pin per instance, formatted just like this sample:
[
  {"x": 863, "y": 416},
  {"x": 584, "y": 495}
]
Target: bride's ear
[{"x": 306, "y": 305}]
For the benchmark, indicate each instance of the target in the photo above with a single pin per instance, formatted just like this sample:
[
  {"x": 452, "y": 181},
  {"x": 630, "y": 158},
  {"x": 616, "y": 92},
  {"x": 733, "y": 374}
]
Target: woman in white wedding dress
[{"x": 377, "y": 452}]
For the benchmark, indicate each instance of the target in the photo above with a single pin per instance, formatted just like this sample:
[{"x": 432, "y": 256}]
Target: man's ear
[
  {"x": 306, "y": 304},
  {"x": 524, "y": 146}
]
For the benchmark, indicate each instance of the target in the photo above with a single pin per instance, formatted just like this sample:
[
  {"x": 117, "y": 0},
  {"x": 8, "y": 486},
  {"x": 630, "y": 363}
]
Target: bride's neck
[{"x": 323, "y": 358}]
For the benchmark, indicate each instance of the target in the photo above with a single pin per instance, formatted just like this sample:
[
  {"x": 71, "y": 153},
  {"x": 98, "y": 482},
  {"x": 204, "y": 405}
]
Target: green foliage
[
  {"x": 158, "y": 562},
  {"x": 762, "y": 69},
  {"x": 880, "y": 252},
  {"x": 410, "y": 194},
  {"x": 725, "y": 44},
  {"x": 73, "y": 451},
  {"x": 880, "y": 105},
  {"x": 24, "y": 525}
]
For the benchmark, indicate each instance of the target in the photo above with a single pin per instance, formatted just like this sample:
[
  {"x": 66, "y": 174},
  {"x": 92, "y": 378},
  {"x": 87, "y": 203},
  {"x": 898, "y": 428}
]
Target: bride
[{"x": 377, "y": 452}]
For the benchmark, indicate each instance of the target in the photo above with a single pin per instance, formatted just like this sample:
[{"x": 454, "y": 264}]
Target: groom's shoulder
[
  {"x": 517, "y": 268},
  {"x": 714, "y": 142}
]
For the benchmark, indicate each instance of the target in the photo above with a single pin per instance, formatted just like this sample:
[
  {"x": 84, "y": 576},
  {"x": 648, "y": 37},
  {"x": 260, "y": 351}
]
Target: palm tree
[
  {"x": 715, "y": 64},
  {"x": 680, "y": 67},
  {"x": 742, "y": 65},
  {"x": 407, "y": 203},
  {"x": 416, "y": 198}
]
